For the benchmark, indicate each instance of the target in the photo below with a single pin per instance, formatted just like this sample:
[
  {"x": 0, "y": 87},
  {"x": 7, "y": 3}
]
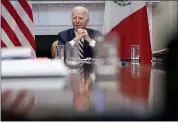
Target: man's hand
[
  {"x": 79, "y": 35},
  {"x": 86, "y": 36}
]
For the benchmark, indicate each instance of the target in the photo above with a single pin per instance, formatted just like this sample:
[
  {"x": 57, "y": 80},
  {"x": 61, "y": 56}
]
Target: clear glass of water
[
  {"x": 71, "y": 55},
  {"x": 135, "y": 56},
  {"x": 59, "y": 52}
]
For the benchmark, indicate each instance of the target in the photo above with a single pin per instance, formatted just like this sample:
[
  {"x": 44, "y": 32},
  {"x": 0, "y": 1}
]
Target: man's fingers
[
  {"x": 80, "y": 31},
  {"x": 81, "y": 35},
  {"x": 85, "y": 34}
]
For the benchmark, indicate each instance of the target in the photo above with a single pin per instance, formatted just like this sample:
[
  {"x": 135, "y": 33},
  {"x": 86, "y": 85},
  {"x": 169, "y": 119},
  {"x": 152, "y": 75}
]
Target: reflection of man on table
[
  {"x": 81, "y": 97},
  {"x": 79, "y": 34}
]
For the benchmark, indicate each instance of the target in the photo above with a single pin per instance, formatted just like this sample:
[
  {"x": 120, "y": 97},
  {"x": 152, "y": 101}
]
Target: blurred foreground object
[
  {"x": 171, "y": 82},
  {"x": 29, "y": 74},
  {"x": 16, "y": 53},
  {"x": 33, "y": 67},
  {"x": 16, "y": 104},
  {"x": 107, "y": 55},
  {"x": 33, "y": 74}
]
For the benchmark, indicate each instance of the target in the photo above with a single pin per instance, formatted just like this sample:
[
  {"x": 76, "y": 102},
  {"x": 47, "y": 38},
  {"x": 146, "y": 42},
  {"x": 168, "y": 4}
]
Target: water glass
[
  {"x": 59, "y": 52},
  {"x": 71, "y": 55},
  {"x": 135, "y": 53}
]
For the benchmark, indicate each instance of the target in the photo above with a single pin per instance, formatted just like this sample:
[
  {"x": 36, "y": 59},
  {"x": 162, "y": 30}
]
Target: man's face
[{"x": 79, "y": 19}]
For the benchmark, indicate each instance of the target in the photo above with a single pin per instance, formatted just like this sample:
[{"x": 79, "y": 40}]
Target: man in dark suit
[{"x": 79, "y": 32}]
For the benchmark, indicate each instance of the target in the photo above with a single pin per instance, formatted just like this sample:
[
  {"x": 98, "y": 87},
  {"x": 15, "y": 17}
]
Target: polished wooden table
[{"x": 135, "y": 92}]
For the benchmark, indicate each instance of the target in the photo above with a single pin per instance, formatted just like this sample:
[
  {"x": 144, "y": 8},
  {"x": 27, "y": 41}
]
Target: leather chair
[{"x": 53, "y": 48}]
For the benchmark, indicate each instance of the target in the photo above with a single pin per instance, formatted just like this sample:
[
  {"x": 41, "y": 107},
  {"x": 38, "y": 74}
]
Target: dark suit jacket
[{"x": 68, "y": 35}]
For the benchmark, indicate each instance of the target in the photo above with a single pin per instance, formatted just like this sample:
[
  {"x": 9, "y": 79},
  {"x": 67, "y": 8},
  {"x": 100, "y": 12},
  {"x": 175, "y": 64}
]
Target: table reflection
[
  {"x": 134, "y": 81},
  {"x": 131, "y": 92},
  {"x": 81, "y": 96},
  {"x": 132, "y": 84}
]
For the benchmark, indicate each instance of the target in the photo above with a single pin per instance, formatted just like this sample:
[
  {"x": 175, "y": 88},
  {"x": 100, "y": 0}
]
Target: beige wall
[{"x": 164, "y": 23}]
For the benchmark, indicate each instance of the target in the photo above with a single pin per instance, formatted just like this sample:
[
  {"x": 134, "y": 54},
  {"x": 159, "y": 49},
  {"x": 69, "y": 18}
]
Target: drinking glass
[
  {"x": 59, "y": 52},
  {"x": 135, "y": 53},
  {"x": 71, "y": 55}
]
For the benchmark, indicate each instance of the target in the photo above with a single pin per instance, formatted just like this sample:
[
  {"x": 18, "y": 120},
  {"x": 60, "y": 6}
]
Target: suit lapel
[
  {"x": 89, "y": 32},
  {"x": 71, "y": 34}
]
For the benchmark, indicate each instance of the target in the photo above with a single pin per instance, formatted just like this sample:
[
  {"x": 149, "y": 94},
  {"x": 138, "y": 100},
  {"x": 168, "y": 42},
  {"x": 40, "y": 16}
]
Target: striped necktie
[
  {"x": 81, "y": 56},
  {"x": 80, "y": 49},
  {"x": 81, "y": 72}
]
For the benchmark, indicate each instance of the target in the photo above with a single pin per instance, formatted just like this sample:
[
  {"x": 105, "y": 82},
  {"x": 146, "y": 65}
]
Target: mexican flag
[{"x": 129, "y": 19}]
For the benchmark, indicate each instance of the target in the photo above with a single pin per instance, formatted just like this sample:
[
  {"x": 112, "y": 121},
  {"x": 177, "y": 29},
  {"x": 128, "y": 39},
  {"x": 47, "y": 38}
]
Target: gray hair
[{"x": 81, "y": 7}]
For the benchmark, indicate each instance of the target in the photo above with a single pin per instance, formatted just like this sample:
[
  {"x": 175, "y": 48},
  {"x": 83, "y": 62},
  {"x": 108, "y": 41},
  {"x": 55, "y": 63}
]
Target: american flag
[{"x": 17, "y": 24}]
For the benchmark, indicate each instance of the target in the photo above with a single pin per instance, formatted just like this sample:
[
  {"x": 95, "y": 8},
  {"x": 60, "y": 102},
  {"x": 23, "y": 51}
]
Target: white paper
[{"x": 33, "y": 67}]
